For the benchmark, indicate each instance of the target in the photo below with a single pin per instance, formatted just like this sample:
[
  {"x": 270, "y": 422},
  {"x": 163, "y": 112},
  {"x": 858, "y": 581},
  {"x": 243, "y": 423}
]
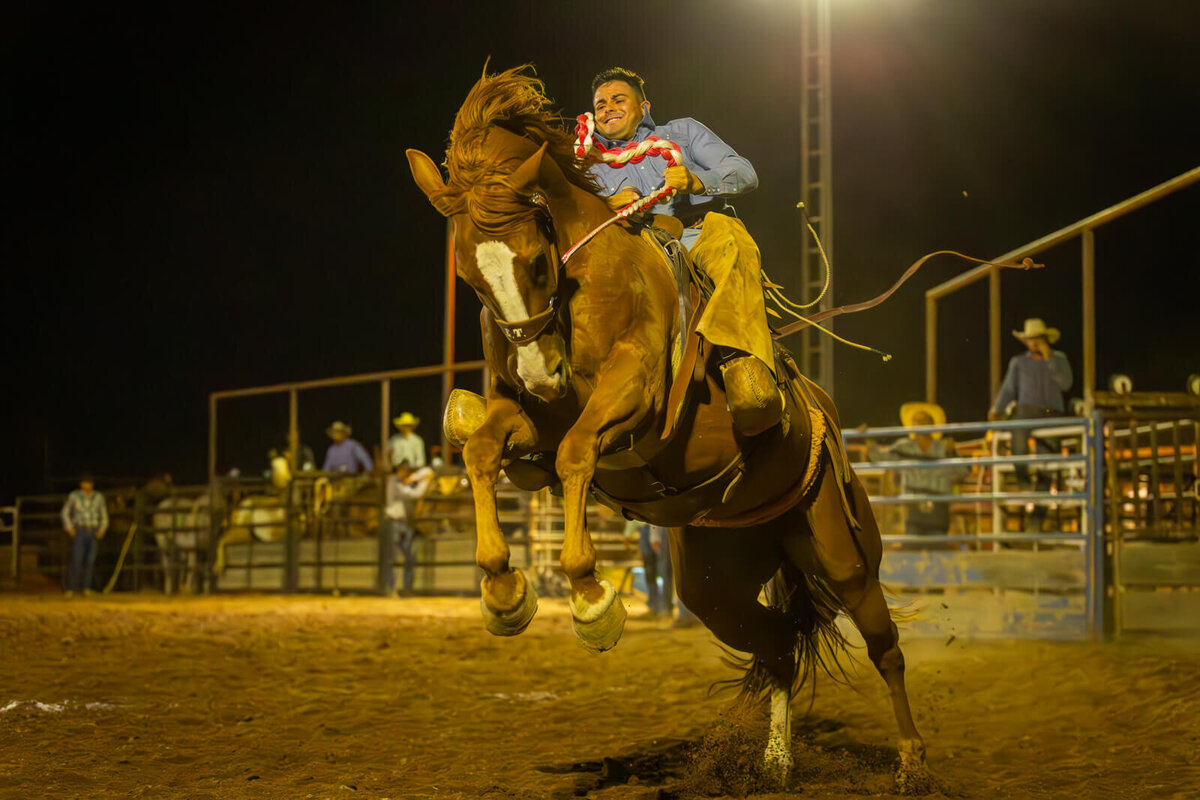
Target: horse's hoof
[
  {"x": 599, "y": 625},
  {"x": 514, "y": 620},
  {"x": 914, "y": 777}
]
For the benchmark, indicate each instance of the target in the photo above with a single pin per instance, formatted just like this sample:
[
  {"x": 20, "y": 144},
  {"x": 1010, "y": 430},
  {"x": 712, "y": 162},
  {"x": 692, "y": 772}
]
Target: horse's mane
[{"x": 516, "y": 102}]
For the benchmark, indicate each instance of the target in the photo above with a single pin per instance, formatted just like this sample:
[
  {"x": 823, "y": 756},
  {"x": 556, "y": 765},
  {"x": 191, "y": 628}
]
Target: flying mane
[{"x": 516, "y": 102}]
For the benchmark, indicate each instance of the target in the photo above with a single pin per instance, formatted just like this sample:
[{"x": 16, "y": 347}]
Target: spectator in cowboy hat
[
  {"x": 1035, "y": 382},
  {"x": 406, "y": 445},
  {"x": 928, "y": 517},
  {"x": 345, "y": 454}
]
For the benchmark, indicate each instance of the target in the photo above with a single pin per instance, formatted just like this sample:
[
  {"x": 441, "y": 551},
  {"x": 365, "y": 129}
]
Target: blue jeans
[
  {"x": 655, "y": 565},
  {"x": 402, "y": 535},
  {"x": 82, "y": 560}
]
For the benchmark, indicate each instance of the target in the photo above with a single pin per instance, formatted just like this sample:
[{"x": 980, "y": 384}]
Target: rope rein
[{"x": 586, "y": 147}]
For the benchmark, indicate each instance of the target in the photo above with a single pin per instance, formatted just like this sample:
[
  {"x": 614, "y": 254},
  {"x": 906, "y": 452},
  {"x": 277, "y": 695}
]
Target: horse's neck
[{"x": 577, "y": 215}]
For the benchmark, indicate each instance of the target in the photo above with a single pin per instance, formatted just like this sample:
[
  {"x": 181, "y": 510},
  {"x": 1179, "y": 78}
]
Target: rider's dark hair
[{"x": 621, "y": 74}]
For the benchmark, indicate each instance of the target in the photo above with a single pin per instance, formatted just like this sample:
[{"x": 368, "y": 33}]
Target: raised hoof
[
  {"x": 599, "y": 625},
  {"x": 914, "y": 777},
  {"x": 512, "y": 621}
]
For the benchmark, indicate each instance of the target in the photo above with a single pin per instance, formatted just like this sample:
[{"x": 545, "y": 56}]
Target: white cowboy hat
[
  {"x": 406, "y": 419},
  {"x": 338, "y": 427},
  {"x": 1035, "y": 327}
]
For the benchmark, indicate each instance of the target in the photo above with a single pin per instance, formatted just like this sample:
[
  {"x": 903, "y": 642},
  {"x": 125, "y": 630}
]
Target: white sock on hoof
[
  {"x": 778, "y": 757},
  {"x": 599, "y": 625},
  {"x": 514, "y": 621}
]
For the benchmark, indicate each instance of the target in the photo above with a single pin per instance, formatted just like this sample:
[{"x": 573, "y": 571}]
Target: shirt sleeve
[
  {"x": 364, "y": 458},
  {"x": 1008, "y": 389},
  {"x": 722, "y": 171},
  {"x": 66, "y": 513},
  {"x": 328, "y": 460},
  {"x": 1060, "y": 368},
  {"x": 103, "y": 511}
]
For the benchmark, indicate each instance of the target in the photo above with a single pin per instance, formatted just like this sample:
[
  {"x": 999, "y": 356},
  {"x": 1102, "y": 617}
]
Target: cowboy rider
[{"x": 711, "y": 169}]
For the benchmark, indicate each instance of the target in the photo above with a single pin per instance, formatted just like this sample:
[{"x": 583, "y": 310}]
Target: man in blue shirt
[
  {"x": 734, "y": 321},
  {"x": 346, "y": 454},
  {"x": 85, "y": 519},
  {"x": 1036, "y": 381}
]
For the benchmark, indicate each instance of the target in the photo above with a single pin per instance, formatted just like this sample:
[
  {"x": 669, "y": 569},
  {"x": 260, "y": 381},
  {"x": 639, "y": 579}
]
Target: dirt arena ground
[{"x": 266, "y": 697}]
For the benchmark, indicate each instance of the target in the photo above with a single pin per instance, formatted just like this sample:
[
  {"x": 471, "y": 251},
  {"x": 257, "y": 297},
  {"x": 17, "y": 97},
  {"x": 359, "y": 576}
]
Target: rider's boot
[{"x": 755, "y": 401}]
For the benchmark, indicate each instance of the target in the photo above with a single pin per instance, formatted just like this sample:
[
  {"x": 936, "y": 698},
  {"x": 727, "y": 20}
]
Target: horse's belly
[{"x": 704, "y": 474}]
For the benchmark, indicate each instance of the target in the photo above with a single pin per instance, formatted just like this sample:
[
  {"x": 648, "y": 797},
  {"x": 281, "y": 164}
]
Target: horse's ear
[
  {"x": 428, "y": 179},
  {"x": 539, "y": 172},
  {"x": 525, "y": 178}
]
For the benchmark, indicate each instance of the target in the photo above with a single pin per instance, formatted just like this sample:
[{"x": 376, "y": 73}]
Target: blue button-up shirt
[
  {"x": 1034, "y": 382},
  {"x": 722, "y": 171},
  {"x": 348, "y": 456},
  {"x": 87, "y": 511}
]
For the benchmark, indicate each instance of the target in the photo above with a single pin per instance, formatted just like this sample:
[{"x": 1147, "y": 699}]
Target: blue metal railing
[{"x": 1088, "y": 499}]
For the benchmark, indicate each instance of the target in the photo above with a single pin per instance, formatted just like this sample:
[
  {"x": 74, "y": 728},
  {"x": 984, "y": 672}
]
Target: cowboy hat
[
  {"x": 1035, "y": 327},
  {"x": 910, "y": 410},
  {"x": 338, "y": 427},
  {"x": 406, "y": 419}
]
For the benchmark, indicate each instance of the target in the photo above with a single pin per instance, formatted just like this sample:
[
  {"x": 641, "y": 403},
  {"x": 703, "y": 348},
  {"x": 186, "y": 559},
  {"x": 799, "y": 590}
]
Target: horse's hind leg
[
  {"x": 850, "y": 566},
  {"x": 718, "y": 575}
]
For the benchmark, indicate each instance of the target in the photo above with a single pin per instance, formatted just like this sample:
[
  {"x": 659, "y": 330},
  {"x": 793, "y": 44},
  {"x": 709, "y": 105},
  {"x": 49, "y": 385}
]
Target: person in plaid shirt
[{"x": 85, "y": 519}]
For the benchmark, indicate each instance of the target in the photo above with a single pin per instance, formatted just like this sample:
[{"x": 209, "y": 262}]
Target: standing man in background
[
  {"x": 1036, "y": 381},
  {"x": 346, "y": 454},
  {"x": 406, "y": 445},
  {"x": 85, "y": 519}
]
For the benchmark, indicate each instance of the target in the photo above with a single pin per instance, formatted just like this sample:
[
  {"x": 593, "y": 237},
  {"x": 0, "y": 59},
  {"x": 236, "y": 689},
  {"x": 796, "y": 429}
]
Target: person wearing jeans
[
  {"x": 1035, "y": 382},
  {"x": 85, "y": 519},
  {"x": 404, "y": 488}
]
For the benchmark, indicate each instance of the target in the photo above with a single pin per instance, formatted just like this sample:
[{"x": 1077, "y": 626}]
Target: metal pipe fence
[{"x": 1116, "y": 547}]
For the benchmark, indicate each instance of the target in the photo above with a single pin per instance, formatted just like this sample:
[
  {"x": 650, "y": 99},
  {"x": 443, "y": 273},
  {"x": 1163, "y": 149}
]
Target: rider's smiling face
[{"x": 618, "y": 109}]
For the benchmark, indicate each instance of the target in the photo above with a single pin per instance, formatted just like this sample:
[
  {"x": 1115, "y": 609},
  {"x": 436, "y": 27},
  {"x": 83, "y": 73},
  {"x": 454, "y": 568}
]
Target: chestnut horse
[{"x": 581, "y": 357}]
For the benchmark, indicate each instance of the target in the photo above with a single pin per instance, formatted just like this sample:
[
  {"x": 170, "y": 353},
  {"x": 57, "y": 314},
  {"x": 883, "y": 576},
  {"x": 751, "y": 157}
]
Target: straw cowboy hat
[
  {"x": 406, "y": 419},
  {"x": 338, "y": 427},
  {"x": 1035, "y": 327},
  {"x": 909, "y": 411}
]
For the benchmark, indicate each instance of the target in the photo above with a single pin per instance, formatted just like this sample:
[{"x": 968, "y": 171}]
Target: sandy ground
[{"x": 266, "y": 697}]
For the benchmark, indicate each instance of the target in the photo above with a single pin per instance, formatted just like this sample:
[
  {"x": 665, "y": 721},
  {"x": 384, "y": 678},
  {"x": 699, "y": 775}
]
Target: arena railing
[{"x": 994, "y": 500}]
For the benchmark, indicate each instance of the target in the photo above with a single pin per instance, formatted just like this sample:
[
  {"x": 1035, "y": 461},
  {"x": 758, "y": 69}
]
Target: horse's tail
[{"x": 811, "y": 610}]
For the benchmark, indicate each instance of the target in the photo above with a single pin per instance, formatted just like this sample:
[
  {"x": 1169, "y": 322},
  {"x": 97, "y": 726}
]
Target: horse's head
[{"x": 504, "y": 248}]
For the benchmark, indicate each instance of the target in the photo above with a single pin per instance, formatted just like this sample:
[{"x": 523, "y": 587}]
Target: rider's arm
[{"x": 716, "y": 164}]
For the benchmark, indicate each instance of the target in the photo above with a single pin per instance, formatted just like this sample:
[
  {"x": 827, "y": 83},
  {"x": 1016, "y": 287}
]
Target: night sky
[{"x": 210, "y": 199}]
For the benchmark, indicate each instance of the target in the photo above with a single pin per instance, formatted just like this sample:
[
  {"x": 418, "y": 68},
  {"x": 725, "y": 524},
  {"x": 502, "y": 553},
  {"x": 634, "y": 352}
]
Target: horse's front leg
[
  {"x": 507, "y": 601},
  {"x": 619, "y": 403}
]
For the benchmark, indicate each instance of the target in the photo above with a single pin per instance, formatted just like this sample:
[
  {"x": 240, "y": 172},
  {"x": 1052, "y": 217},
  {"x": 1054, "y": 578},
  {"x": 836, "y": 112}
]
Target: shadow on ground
[{"x": 725, "y": 760}]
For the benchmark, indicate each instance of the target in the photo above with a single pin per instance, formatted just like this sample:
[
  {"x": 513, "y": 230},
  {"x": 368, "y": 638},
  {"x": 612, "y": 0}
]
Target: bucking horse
[{"x": 600, "y": 384}]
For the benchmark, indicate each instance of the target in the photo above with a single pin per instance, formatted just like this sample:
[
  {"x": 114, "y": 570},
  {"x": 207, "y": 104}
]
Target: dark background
[{"x": 208, "y": 199}]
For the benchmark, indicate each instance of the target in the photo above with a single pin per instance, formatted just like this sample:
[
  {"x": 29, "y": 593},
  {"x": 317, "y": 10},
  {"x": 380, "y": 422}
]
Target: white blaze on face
[{"x": 495, "y": 262}]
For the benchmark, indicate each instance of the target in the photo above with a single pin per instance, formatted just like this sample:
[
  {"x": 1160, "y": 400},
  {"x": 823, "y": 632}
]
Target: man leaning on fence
[
  {"x": 405, "y": 487},
  {"x": 85, "y": 519},
  {"x": 928, "y": 517}
]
